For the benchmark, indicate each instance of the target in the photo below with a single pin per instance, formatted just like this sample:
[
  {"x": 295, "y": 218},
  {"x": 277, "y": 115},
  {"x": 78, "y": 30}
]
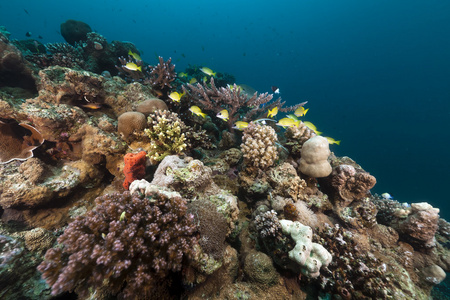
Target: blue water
[{"x": 376, "y": 73}]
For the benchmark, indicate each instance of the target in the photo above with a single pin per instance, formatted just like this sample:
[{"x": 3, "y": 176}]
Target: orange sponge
[{"x": 134, "y": 167}]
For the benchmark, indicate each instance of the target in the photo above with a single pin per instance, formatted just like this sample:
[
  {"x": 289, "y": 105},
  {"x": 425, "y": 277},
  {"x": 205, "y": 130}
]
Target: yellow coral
[{"x": 165, "y": 133}]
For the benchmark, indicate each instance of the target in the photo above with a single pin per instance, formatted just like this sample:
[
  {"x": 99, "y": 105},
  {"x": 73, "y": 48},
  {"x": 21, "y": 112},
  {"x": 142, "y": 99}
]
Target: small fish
[
  {"x": 287, "y": 122},
  {"x": 133, "y": 67},
  {"x": 301, "y": 111},
  {"x": 197, "y": 111},
  {"x": 386, "y": 196},
  {"x": 40, "y": 37},
  {"x": 193, "y": 80},
  {"x": 223, "y": 114},
  {"x": 183, "y": 74},
  {"x": 28, "y": 34},
  {"x": 332, "y": 141},
  {"x": 92, "y": 105},
  {"x": 205, "y": 79},
  {"x": 26, "y": 11},
  {"x": 134, "y": 55},
  {"x": 122, "y": 216},
  {"x": 238, "y": 87},
  {"x": 275, "y": 89},
  {"x": 240, "y": 125},
  {"x": 312, "y": 127},
  {"x": 293, "y": 117},
  {"x": 175, "y": 96},
  {"x": 272, "y": 112},
  {"x": 208, "y": 71}
]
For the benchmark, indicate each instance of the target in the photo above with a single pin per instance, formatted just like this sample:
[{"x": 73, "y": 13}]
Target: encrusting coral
[
  {"x": 259, "y": 147},
  {"x": 126, "y": 244}
]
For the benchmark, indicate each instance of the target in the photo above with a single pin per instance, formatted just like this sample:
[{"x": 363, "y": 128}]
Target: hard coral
[
  {"x": 134, "y": 167},
  {"x": 259, "y": 147},
  {"x": 166, "y": 135},
  {"x": 131, "y": 122},
  {"x": 161, "y": 75},
  {"x": 126, "y": 244},
  {"x": 313, "y": 161}
]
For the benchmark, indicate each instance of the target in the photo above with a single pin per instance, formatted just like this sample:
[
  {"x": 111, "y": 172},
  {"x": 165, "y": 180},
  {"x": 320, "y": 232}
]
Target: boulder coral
[
  {"x": 314, "y": 157},
  {"x": 259, "y": 147},
  {"x": 131, "y": 122}
]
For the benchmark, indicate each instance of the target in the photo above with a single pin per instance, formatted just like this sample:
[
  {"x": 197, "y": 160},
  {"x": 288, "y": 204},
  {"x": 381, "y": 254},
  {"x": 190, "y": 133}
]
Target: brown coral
[
  {"x": 259, "y": 147},
  {"x": 150, "y": 105},
  {"x": 131, "y": 122},
  {"x": 38, "y": 239}
]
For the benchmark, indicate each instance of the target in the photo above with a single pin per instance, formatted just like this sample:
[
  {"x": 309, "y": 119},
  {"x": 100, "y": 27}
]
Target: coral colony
[{"x": 126, "y": 180}]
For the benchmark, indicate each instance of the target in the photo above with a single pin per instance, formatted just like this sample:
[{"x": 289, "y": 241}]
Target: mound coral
[
  {"x": 314, "y": 161},
  {"x": 126, "y": 244},
  {"x": 131, "y": 122},
  {"x": 166, "y": 135},
  {"x": 259, "y": 147},
  {"x": 134, "y": 167}
]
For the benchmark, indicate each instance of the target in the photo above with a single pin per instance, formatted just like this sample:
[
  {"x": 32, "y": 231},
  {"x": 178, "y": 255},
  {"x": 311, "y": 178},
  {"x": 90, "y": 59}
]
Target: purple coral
[{"x": 127, "y": 242}]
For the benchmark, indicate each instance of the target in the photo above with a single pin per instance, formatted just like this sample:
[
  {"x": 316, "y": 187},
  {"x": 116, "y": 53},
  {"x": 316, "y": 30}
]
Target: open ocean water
[{"x": 376, "y": 74}]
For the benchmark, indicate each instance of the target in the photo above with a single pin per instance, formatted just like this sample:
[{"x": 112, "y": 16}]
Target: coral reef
[
  {"x": 314, "y": 155},
  {"x": 165, "y": 131},
  {"x": 131, "y": 122},
  {"x": 259, "y": 147},
  {"x": 161, "y": 75},
  {"x": 98, "y": 251}
]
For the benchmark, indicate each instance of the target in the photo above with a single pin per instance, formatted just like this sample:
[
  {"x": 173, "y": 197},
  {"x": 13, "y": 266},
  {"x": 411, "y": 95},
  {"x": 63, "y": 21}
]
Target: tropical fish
[
  {"x": 205, "y": 79},
  {"x": 133, "y": 67},
  {"x": 275, "y": 89},
  {"x": 175, "y": 96},
  {"x": 312, "y": 127},
  {"x": 197, "y": 111},
  {"x": 238, "y": 87},
  {"x": 208, "y": 71},
  {"x": 223, "y": 114},
  {"x": 134, "y": 55},
  {"x": 28, "y": 34},
  {"x": 240, "y": 125},
  {"x": 332, "y": 141},
  {"x": 272, "y": 112},
  {"x": 386, "y": 196},
  {"x": 183, "y": 74},
  {"x": 301, "y": 111},
  {"x": 122, "y": 216},
  {"x": 287, "y": 122},
  {"x": 293, "y": 117},
  {"x": 92, "y": 105},
  {"x": 193, "y": 80}
]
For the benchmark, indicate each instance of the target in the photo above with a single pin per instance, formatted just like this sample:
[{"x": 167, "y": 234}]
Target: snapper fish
[
  {"x": 197, "y": 111},
  {"x": 240, "y": 125},
  {"x": 272, "y": 112},
  {"x": 332, "y": 141},
  {"x": 183, "y": 74},
  {"x": 193, "y": 80},
  {"x": 287, "y": 122},
  {"x": 134, "y": 55},
  {"x": 175, "y": 96},
  {"x": 312, "y": 127},
  {"x": 223, "y": 114},
  {"x": 133, "y": 67},
  {"x": 208, "y": 71},
  {"x": 301, "y": 111}
]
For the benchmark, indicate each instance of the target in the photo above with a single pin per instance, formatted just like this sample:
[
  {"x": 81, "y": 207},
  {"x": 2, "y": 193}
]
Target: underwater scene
[{"x": 224, "y": 150}]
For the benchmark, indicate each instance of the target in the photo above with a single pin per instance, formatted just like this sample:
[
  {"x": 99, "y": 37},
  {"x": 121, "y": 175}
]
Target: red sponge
[{"x": 134, "y": 167}]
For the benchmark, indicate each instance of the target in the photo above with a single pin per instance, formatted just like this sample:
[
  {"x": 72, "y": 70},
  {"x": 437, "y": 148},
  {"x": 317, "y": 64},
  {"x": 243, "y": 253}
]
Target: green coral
[{"x": 166, "y": 133}]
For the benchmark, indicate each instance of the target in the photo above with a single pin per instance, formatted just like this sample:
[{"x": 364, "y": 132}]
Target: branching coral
[
  {"x": 129, "y": 74},
  {"x": 125, "y": 244},
  {"x": 234, "y": 100},
  {"x": 166, "y": 135},
  {"x": 161, "y": 75},
  {"x": 259, "y": 147}
]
